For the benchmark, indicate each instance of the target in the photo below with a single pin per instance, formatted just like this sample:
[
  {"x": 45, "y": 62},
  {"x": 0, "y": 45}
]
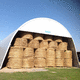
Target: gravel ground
[{"x": 7, "y": 70}]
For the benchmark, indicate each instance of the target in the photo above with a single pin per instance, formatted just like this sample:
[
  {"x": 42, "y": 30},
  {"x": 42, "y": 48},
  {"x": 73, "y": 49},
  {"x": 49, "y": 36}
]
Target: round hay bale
[
  {"x": 20, "y": 42},
  {"x": 40, "y": 53},
  {"x": 50, "y": 62},
  {"x": 68, "y": 62},
  {"x": 16, "y": 52},
  {"x": 33, "y": 44},
  {"x": 48, "y": 38},
  {"x": 59, "y": 62},
  {"x": 28, "y": 52},
  {"x": 63, "y": 46},
  {"x": 44, "y": 44},
  {"x": 38, "y": 36},
  {"x": 27, "y": 35},
  {"x": 14, "y": 63},
  {"x": 50, "y": 52},
  {"x": 58, "y": 39},
  {"x": 59, "y": 54},
  {"x": 28, "y": 62},
  {"x": 53, "y": 44},
  {"x": 40, "y": 62},
  {"x": 68, "y": 54}
]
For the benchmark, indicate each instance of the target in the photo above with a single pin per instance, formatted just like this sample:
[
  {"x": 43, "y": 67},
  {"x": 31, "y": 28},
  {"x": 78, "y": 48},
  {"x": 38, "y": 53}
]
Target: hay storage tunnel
[{"x": 45, "y": 26}]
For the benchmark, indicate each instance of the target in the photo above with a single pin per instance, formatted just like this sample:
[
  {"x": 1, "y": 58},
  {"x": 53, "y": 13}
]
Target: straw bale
[
  {"x": 59, "y": 54},
  {"x": 58, "y": 39},
  {"x": 63, "y": 46},
  {"x": 50, "y": 52},
  {"x": 50, "y": 59},
  {"x": 20, "y": 42},
  {"x": 39, "y": 62},
  {"x": 33, "y": 44},
  {"x": 40, "y": 53},
  {"x": 28, "y": 62},
  {"x": 53, "y": 44},
  {"x": 38, "y": 36},
  {"x": 27, "y": 35},
  {"x": 59, "y": 62},
  {"x": 48, "y": 38},
  {"x": 50, "y": 62},
  {"x": 14, "y": 63},
  {"x": 15, "y": 52},
  {"x": 44, "y": 44},
  {"x": 68, "y": 54},
  {"x": 68, "y": 62},
  {"x": 28, "y": 52}
]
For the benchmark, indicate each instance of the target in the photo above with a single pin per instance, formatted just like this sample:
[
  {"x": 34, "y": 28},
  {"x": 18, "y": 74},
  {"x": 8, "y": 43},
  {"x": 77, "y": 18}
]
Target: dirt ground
[{"x": 7, "y": 70}]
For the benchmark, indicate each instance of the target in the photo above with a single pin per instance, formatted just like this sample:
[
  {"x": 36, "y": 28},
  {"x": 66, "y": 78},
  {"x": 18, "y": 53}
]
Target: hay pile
[{"x": 38, "y": 50}]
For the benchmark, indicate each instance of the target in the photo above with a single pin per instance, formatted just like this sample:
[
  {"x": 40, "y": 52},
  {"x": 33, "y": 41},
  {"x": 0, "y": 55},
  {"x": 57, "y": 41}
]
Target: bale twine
[
  {"x": 28, "y": 62},
  {"x": 58, "y": 39},
  {"x": 38, "y": 36},
  {"x": 33, "y": 44},
  {"x": 68, "y": 62},
  {"x": 28, "y": 52},
  {"x": 44, "y": 44},
  {"x": 40, "y": 53},
  {"x": 14, "y": 63},
  {"x": 39, "y": 62},
  {"x": 20, "y": 42},
  {"x": 63, "y": 46},
  {"x": 53, "y": 44},
  {"x": 51, "y": 53},
  {"x": 59, "y": 54},
  {"x": 26, "y": 35},
  {"x": 48, "y": 37},
  {"x": 59, "y": 62},
  {"x": 68, "y": 54},
  {"x": 16, "y": 52}
]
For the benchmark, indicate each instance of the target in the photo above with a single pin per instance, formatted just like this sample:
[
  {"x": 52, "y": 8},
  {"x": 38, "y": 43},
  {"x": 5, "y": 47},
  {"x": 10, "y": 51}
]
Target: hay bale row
[{"x": 40, "y": 51}]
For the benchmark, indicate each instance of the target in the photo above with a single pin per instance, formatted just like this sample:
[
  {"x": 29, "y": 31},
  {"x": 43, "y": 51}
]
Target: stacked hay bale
[
  {"x": 20, "y": 42},
  {"x": 28, "y": 52},
  {"x": 62, "y": 46},
  {"x": 63, "y": 55},
  {"x": 38, "y": 50},
  {"x": 15, "y": 58},
  {"x": 28, "y": 58},
  {"x": 50, "y": 57},
  {"x": 68, "y": 58},
  {"x": 40, "y": 58},
  {"x": 59, "y": 58}
]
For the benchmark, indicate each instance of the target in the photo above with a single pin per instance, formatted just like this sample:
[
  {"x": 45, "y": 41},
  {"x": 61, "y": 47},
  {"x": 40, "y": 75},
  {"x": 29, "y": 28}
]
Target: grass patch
[{"x": 51, "y": 74}]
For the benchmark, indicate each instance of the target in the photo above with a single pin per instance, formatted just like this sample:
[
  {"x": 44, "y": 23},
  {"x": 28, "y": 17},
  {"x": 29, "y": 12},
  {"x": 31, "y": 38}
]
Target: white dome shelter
[{"x": 43, "y": 26}]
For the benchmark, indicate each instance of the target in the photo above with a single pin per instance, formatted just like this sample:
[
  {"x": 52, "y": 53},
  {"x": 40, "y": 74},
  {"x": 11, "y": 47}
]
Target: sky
[{"x": 14, "y": 13}]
